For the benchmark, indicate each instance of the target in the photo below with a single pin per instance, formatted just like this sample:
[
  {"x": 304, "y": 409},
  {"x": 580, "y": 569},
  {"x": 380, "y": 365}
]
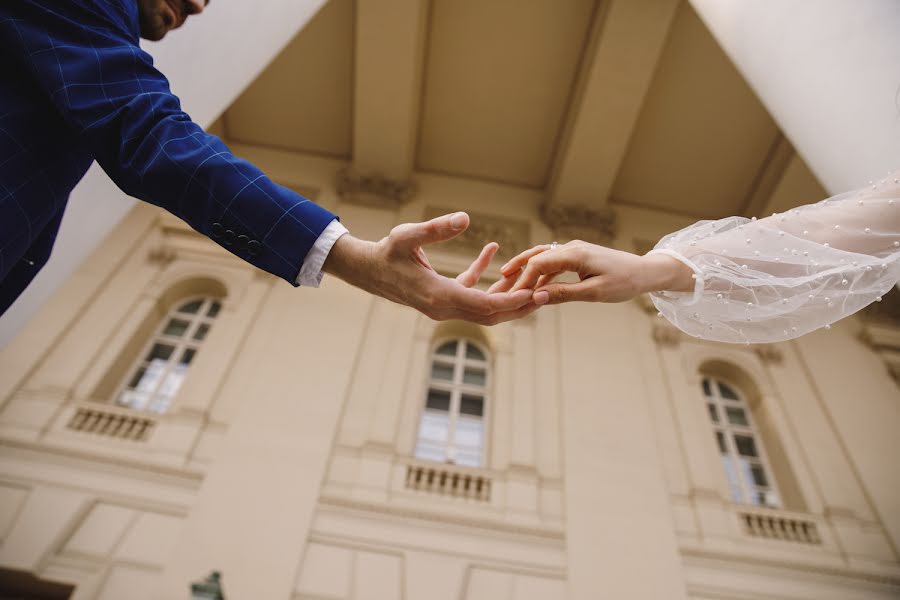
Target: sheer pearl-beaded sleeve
[{"x": 780, "y": 277}]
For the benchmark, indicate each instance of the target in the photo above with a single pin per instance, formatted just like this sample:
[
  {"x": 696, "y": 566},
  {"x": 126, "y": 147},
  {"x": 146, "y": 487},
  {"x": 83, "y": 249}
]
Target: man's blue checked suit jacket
[{"x": 76, "y": 87}]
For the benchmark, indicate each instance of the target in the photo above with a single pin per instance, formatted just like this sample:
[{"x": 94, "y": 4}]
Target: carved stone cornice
[
  {"x": 665, "y": 334},
  {"x": 162, "y": 254},
  {"x": 372, "y": 189},
  {"x": 580, "y": 222},
  {"x": 769, "y": 354},
  {"x": 646, "y": 304},
  {"x": 885, "y": 312},
  {"x": 513, "y": 235}
]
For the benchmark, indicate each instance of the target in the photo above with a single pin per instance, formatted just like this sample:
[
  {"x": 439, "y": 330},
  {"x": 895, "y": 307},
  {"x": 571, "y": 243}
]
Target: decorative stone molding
[
  {"x": 162, "y": 254},
  {"x": 886, "y": 312},
  {"x": 646, "y": 304},
  {"x": 769, "y": 354},
  {"x": 665, "y": 334},
  {"x": 580, "y": 222},
  {"x": 881, "y": 331},
  {"x": 513, "y": 235},
  {"x": 373, "y": 189}
]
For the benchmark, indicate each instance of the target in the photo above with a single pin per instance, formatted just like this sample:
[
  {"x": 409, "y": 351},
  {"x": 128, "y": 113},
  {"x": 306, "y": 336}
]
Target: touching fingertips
[{"x": 542, "y": 297}]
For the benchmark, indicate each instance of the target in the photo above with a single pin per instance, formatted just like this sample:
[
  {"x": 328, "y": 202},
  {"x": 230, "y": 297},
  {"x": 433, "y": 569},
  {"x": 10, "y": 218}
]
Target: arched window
[
  {"x": 452, "y": 424},
  {"x": 159, "y": 373},
  {"x": 747, "y": 469}
]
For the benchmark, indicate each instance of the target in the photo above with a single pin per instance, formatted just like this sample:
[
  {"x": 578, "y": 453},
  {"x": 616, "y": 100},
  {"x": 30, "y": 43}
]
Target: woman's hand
[{"x": 606, "y": 275}]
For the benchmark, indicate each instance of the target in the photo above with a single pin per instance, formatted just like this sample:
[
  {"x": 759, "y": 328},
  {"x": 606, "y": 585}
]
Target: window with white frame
[
  {"x": 743, "y": 456},
  {"x": 452, "y": 427},
  {"x": 163, "y": 365}
]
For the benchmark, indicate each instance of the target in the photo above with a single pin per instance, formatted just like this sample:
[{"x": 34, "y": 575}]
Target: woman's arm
[{"x": 750, "y": 280}]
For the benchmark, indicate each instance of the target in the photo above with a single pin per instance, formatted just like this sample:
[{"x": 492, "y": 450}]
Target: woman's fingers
[
  {"x": 562, "y": 259},
  {"x": 545, "y": 280},
  {"x": 517, "y": 262},
  {"x": 470, "y": 276},
  {"x": 588, "y": 290}
]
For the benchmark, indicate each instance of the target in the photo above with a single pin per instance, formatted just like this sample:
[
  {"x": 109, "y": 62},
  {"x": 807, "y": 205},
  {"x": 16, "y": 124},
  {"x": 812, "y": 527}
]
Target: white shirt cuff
[{"x": 311, "y": 272}]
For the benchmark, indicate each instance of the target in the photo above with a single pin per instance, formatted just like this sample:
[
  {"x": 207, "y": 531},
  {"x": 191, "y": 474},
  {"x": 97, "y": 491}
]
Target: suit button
[
  {"x": 229, "y": 237},
  {"x": 217, "y": 230},
  {"x": 242, "y": 242},
  {"x": 254, "y": 247}
]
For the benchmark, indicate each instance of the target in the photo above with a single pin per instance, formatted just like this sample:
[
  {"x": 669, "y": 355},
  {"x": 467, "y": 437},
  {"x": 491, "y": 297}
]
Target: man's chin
[
  {"x": 153, "y": 28},
  {"x": 154, "y": 35}
]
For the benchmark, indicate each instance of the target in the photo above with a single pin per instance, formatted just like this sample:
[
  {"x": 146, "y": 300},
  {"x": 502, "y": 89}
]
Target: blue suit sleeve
[{"x": 86, "y": 58}]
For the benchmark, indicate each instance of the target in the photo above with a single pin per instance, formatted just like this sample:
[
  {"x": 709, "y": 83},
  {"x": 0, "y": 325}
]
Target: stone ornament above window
[
  {"x": 580, "y": 222},
  {"x": 513, "y": 235},
  {"x": 373, "y": 189}
]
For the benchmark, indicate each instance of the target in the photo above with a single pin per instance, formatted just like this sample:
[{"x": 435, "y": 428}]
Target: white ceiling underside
[{"x": 568, "y": 97}]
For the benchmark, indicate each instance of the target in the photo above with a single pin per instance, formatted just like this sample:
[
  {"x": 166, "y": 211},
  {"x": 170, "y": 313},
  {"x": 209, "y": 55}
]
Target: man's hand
[
  {"x": 397, "y": 269},
  {"x": 606, "y": 275}
]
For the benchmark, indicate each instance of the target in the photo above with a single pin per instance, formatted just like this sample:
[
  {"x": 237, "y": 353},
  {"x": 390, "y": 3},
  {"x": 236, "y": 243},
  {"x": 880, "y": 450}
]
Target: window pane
[
  {"x": 173, "y": 381},
  {"x": 448, "y": 349},
  {"x": 440, "y": 371},
  {"x": 191, "y": 308},
  {"x": 427, "y": 451},
  {"x": 764, "y": 498},
  {"x": 149, "y": 376},
  {"x": 734, "y": 485},
  {"x": 736, "y": 416},
  {"x": 133, "y": 399},
  {"x": 474, "y": 353},
  {"x": 160, "y": 352},
  {"x": 720, "y": 438},
  {"x": 137, "y": 377},
  {"x": 160, "y": 404},
  {"x": 201, "y": 332},
  {"x": 187, "y": 356},
  {"x": 727, "y": 392},
  {"x": 759, "y": 475},
  {"x": 176, "y": 328},
  {"x": 434, "y": 427},
  {"x": 213, "y": 309},
  {"x": 438, "y": 400},
  {"x": 746, "y": 446},
  {"x": 469, "y": 433},
  {"x": 467, "y": 458},
  {"x": 471, "y": 405},
  {"x": 713, "y": 413},
  {"x": 706, "y": 387},
  {"x": 474, "y": 376}
]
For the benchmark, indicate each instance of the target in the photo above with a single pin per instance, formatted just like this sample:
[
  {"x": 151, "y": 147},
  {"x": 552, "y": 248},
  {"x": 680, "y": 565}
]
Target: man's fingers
[
  {"x": 509, "y": 315},
  {"x": 470, "y": 276},
  {"x": 504, "y": 284},
  {"x": 450, "y": 295},
  {"x": 517, "y": 262},
  {"x": 557, "y": 293},
  {"x": 439, "y": 229}
]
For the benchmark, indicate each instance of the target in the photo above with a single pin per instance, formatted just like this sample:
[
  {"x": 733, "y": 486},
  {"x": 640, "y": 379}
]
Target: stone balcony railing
[
  {"x": 776, "y": 525},
  {"x": 448, "y": 480},
  {"x": 111, "y": 422}
]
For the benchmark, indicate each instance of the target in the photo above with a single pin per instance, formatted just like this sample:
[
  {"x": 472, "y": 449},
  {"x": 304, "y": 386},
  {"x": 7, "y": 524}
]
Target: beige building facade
[{"x": 172, "y": 411}]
